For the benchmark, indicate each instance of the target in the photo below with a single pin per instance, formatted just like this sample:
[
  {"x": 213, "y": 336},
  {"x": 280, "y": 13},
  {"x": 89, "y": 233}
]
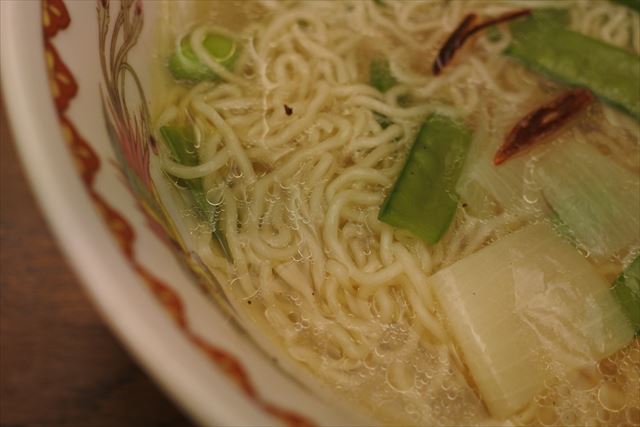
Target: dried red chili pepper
[
  {"x": 464, "y": 31},
  {"x": 453, "y": 43},
  {"x": 543, "y": 122}
]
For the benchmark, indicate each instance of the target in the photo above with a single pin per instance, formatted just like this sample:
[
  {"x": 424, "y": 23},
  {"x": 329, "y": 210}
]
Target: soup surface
[{"x": 287, "y": 132}]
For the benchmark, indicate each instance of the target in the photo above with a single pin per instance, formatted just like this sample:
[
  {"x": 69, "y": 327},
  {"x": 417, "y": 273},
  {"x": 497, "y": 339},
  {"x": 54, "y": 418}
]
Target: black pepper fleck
[{"x": 288, "y": 110}]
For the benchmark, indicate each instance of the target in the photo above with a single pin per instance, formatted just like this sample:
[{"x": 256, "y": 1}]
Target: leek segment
[
  {"x": 524, "y": 300},
  {"x": 597, "y": 199},
  {"x": 594, "y": 199},
  {"x": 182, "y": 145},
  {"x": 486, "y": 188}
]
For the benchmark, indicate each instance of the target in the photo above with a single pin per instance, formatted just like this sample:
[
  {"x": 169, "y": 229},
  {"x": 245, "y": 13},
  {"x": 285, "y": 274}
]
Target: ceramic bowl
[{"x": 75, "y": 76}]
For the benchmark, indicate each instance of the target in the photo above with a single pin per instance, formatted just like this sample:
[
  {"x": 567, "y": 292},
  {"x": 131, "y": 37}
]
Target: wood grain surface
[{"x": 59, "y": 364}]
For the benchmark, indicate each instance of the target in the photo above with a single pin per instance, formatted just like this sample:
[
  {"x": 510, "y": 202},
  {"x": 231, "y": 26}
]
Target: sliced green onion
[
  {"x": 559, "y": 17},
  {"x": 423, "y": 200},
  {"x": 380, "y": 75},
  {"x": 382, "y": 120},
  {"x": 612, "y": 73},
  {"x": 185, "y": 65},
  {"x": 182, "y": 144}
]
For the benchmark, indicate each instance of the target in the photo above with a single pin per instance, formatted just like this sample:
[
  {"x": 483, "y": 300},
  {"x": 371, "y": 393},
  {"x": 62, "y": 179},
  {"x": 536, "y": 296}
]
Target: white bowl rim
[{"x": 55, "y": 184}]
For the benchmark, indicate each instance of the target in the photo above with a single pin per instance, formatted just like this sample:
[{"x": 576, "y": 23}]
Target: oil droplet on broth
[
  {"x": 400, "y": 376},
  {"x": 568, "y": 418},
  {"x": 611, "y": 397},
  {"x": 547, "y": 416},
  {"x": 607, "y": 367},
  {"x": 584, "y": 379},
  {"x": 603, "y": 415},
  {"x": 633, "y": 416}
]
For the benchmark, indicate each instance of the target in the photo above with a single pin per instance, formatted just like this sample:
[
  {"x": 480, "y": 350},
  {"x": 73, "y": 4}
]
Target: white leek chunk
[
  {"x": 483, "y": 186},
  {"x": 520, "y": 302},
  {"x": 597, "y": 199}
]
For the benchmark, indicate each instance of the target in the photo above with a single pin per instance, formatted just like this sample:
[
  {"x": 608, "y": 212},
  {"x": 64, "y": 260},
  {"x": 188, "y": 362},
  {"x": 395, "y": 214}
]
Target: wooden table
[{"x": 59, "y": 364}]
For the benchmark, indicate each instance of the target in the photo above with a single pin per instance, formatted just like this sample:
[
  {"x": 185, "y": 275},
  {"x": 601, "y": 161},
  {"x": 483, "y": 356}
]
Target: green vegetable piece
[
  {"x": 524, "y": 299},
  {"x": 612, "y": 73},
  {"x": 633, "y": 4},
  {"x": 181, "y": 142},
  {"x": 382, "y": 120},
  {"x": 182, "y": 145},
  {"x": 597, "y": 199},
  {"x": 552, "y": 16},
  {"x": 184, "y": 63},
  {"x": 380, "y": 75},
  {"x": 493, "y": 34},
  {"x": 423, "y": 199},
  {"x": 558, "y": 17},
  {"x": 627, "y": 289},
  {"x": 562, "y": 229}
]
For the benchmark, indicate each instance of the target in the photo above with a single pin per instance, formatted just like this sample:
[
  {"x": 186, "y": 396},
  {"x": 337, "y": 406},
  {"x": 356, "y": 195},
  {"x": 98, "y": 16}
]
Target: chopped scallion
[
  {"x": 380, "y": 75},
  {"x": 612, "y": 73},
  {"x": 423, "y": 200},
  {"x": 182, "y": 144},
  {"x": 185, "y": 65}
]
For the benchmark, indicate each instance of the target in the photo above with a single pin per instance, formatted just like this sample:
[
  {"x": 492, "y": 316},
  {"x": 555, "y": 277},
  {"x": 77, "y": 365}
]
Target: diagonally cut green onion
[
  {"x": 612, "y": 73},
  {"x": 380, "y": 75},
  {"x": 423, "y": 199},
  {"x": 181, "y": 143},
  {"x": 554, "y": 16}
]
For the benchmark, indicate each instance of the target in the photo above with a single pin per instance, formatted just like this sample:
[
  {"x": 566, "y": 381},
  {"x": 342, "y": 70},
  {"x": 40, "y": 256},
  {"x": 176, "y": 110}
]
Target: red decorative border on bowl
[{"x": 55, "y": 18}]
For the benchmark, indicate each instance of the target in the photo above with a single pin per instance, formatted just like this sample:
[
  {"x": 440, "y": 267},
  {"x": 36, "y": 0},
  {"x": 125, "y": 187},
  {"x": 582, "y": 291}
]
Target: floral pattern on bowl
[{"x": 126, "y": 159}]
